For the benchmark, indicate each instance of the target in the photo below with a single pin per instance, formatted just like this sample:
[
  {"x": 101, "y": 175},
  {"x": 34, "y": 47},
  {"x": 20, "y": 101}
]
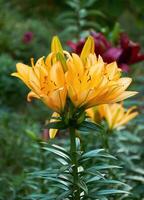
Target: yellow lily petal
[
  {"x": 53, "y": 132},
  {"x": 32, "y": 95},
  {"x": 57, "y": 74},
  {"x": 113, "y": 73},
  {"x": 55, "y": 99},
  {"x": 77, "y": 62},
  {"x": 124, "y": 96},
  {"x": 23, "y": 73}
]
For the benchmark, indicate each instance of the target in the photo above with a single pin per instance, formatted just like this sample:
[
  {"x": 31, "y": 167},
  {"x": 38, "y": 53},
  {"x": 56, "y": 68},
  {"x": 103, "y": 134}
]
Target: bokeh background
[{"x": 26, "y": 30}]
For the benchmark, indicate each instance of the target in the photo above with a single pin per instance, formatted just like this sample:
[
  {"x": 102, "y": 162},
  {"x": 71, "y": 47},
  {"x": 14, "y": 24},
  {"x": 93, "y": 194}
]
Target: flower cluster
[
  {"x": 84, "y": 81},
  {"x": 125, "y": 53},
  {"x": 114, "y": 114}
]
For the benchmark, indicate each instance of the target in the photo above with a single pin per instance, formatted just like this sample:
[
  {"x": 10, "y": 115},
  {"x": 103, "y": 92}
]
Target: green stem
[
  {"x": 105, "y": 139},
  {"x": 76, "y": 192}
]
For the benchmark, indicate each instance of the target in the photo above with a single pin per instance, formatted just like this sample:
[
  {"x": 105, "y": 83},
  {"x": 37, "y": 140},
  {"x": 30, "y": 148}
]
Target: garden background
[{"x": 26, "y": 29}]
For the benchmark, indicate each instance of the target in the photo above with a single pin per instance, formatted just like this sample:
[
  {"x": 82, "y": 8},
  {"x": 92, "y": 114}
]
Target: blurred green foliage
[{"x": 19, "y": 153}]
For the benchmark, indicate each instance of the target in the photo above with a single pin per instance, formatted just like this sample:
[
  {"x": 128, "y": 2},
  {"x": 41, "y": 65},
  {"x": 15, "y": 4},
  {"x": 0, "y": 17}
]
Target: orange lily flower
[
  {"x": 116, "y": 115},
  {"x": 45, "y": 80},
  {"x": 92, "y": 82}
]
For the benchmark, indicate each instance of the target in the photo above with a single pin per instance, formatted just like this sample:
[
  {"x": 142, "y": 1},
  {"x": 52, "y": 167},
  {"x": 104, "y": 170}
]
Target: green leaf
[
  {"x": 66, "y": 15},
  {"x": 138, "y": 170},
  {"x": 31, "y": 134},
  {"x": 93, "y": 179},
  {"x": 73, "y": 4},
  {"x": 40, "y": 197},
  {"x": 105, "y": 155},
  {"x": 89, "y": 3},
  {"x": 56, "y": 125},
  {"x": 83, "y": 186},
  {"x": 110, "y": 191},
  {"x": 92, "y": 153},
  {"x": 136, "y": 178},
  {"x": 61, "y": 186},
  {"x": 93, "y": 172},
  {"x": 44, "y": 173},
  {"x": 96, "y": 12},
  {"x": 105, "y": 181},
  {"x": 66, "y": 184},
  {"x": 64, "y": 195},
  {"x": 64, "y": 168},
  {"x": 65, "y": 178},
  {"x": 58, "y": 153},
  {"x": 69, "y": 22},
  {"x": 60, "y": 148},
  {"x": 89, "y": 126},
  {"x": 104, "y": 166},
  {"x": 70, "y": 29},
  {"x": 94, "y": 25},
  {"x": 62, "y": 161},
  {"x": 78, "y": 144}
]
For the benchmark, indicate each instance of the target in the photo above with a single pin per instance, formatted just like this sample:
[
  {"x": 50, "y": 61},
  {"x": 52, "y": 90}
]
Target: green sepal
[
  {"x": 56, "y": 45},
  {"x": 61, "y": 58},
  {"x": 81, "y": 118}
]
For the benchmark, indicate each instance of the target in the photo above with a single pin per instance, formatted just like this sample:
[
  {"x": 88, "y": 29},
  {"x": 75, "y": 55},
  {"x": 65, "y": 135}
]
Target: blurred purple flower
[
  {"x": 125, "y": 53},
  {"x": 27, "y": 37}
]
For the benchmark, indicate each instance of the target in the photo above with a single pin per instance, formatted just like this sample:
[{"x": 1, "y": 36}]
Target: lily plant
[{"x": 69, "y": 84}]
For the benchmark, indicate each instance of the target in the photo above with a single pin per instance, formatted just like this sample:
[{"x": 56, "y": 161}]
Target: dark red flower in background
[
  {"x": 27, "y": 37},
  {"x": 125, "y": 53},
  {"x": 131, "y": 50},
  {"x": 101, "y": 44}
]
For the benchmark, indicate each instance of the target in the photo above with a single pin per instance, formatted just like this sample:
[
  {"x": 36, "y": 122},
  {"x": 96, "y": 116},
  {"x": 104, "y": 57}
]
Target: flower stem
[
  {"x": 76, "y": 191},
  {"x": 105, "y": 139}
]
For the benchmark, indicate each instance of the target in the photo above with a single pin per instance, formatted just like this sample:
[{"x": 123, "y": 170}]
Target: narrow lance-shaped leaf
[
  {"x": 89, "y": 126},
  {"x": 111, "y": 191},
  {"x": 58, "y": 153}
]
